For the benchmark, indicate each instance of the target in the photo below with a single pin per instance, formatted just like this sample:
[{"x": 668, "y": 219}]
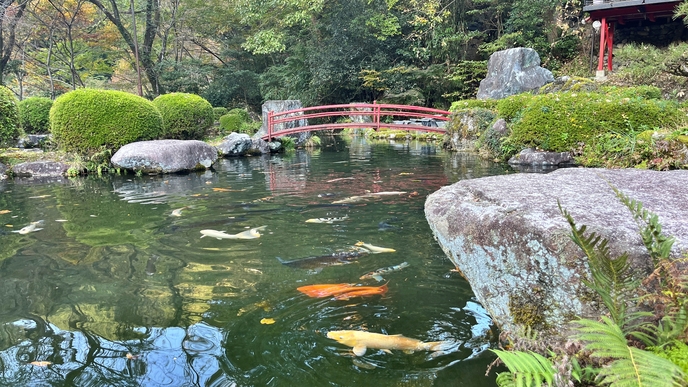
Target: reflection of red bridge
[{"x": 382, "y": 116}]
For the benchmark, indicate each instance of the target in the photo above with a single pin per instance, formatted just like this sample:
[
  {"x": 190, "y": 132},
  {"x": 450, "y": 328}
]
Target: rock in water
[
  {"x": 165, "y": 156},
  {"x": 510, "y": 241}
]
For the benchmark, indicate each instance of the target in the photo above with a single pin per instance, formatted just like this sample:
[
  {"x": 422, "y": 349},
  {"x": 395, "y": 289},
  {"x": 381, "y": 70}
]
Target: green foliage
[
  {"x": 630, "y": 366},
  {"x": 465, "y": 79},
  {"x": 219, "y": 112},
  {"x": 527, "y": 369},
  {"x": 185, "y": 116},
  {"x": 559, "y": 122},
  {"x": 641, "y": 91},
  {"x": 676, "y": 353},
  {"x": 490, "y": 104},
  {"x": 510, "y": 107},
  {"x": 9, "y": 117},
  {"x": 34, "y": 114},
  {"x": 88, "y": 120},
  {"x": 313, "y": 142}
]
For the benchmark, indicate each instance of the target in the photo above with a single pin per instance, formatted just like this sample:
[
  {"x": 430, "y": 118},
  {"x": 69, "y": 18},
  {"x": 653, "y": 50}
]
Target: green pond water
[{"x": 115, "y": 290}]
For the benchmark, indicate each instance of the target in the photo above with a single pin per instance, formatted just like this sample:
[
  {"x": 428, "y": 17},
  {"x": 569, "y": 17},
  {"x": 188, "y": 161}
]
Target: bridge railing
[{"x": 415, "y": 116}]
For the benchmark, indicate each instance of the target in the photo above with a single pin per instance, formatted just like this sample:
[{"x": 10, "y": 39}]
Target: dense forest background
[{"x": 243, "y": 52}]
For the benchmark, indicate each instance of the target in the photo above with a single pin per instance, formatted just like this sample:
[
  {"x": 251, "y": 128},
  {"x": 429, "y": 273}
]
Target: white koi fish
[
  {"x": 248, "y": 234},
  {"x": 326, "y": 220},
  {"x": 360, "y": 341},
  {"x": 374, "y": 249},
  {"x": 178, "y": 211},
  {"x": 377, "y": 274},
  {"x": 32, "y": 227}
]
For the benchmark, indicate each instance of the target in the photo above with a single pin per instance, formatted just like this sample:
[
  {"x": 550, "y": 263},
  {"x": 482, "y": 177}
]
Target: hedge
[
  {"x": 34, "y": 114},
  {"x": 219, "y": 112},
  {"x": 185, "y": 116},
  {"x": 9, "y": 118},
  {"x": 86, "y": 120}
]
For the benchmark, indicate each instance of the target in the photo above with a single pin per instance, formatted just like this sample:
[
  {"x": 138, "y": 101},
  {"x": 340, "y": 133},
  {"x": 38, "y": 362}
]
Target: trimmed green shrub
[
  {"x": 231, "y": 122},
  {"x": 185, "y": 116},
  {"x": 560, "y": 122},
  {"x": 241, "y": 112},
  {"x": 510, "y": 107},
  {"x": 34, "y": 114},
  {"x": 473, "y": 103},
  {"x": 86, "y": 120},
  {"x": 219, "y": 112},
  {"x": 9, "y": 117}
]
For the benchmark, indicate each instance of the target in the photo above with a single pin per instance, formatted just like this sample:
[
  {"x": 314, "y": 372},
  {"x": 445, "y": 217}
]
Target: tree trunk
[{"x": 7, "y": 42}]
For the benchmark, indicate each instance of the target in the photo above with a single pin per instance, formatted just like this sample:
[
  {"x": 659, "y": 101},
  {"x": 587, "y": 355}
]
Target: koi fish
[
  {"x": 248, "y": 234},
  {"x": 374, "y": 249},
  {"x": 324, "y": 290},
  {"x": 40, "y": 363},
  {"x": 178, "y": 211},
  {"x": 326, "y": 220},
  {"x": 377, "y": 274},
  {"x": 361, "y": 291},
  {"x": 354, "y": 199},
  {"x": 350, "y": 199},
  {"x": 318, "y": 262},
  {"x": 360, "y": 341},
  {"x": 32, "y": 227},
  {"x": 339, "y": 179}
]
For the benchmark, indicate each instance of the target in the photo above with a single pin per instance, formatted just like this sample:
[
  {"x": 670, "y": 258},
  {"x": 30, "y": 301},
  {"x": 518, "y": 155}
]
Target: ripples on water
[{"x": 119, "y": 289}]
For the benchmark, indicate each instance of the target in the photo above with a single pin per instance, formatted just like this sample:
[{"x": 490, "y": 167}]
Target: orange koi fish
[
  {"x": 324, "y": 290},
  {"x": 360, "y": 291}
]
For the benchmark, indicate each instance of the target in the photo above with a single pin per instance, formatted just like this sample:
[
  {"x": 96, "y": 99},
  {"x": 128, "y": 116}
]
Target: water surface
[{"x": 115, "y": 290}]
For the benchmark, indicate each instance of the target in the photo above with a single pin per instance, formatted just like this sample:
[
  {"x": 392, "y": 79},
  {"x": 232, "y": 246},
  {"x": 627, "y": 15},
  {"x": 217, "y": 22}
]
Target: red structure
[
  {"x": 414, "y": 118},
  {"x": 610, "y": 12}
]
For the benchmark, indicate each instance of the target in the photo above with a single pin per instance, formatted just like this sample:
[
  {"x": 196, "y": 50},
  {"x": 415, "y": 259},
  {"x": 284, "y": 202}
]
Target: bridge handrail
[{"x": 376, "y": 111}]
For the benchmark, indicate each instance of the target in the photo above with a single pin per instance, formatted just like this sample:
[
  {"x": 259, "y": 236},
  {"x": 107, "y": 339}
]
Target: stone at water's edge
[
  {"x": 510, "y": 241},
  {"x": 165, "y": 156},
  {"x": 513, "y": 71},
  {"x": 235, "y": 144},
  {"x": 530, "y": 156},
  {"x": 3, "y": 171},
  {"x": 40, "y": 169}
]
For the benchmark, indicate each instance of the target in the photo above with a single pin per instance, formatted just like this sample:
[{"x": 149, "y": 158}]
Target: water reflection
[{"x": 121, "y": 291}]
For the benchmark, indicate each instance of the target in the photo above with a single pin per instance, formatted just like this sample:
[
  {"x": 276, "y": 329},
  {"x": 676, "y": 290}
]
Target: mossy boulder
[
  {"x": 34, "y": 114},
  {"x": 87, "y": 120},
  {"x": 9, "y": 117},
  {"x": 465, "y": 126},
  {"x": 560, "y": 122},
  {"x": 185, "y": 116}
]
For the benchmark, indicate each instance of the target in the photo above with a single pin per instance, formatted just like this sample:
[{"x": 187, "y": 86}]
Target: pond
[{"x": 113, "y": 284}]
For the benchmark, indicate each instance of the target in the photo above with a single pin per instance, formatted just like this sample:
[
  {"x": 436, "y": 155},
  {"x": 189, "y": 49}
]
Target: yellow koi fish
[
  {"x": 374, "y": 249},
  {"x": 248, "y": 234},
  {"x": 360, "y": 341}
]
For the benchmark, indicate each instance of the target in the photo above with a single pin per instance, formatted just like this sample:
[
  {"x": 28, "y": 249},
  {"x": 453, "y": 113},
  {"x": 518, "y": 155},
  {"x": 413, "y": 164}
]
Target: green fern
[
  {"x": 657, "y": 244},
  {"x": 611, "y": 278},
  {"x": 630, "y": 366},
  {"x": 527, "y": 369}
]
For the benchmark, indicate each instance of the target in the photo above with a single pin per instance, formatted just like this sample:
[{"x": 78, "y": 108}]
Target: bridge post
[{"x": 376, "y": 116}]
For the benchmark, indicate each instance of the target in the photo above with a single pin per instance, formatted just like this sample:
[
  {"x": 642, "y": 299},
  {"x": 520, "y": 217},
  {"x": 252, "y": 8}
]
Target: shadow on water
[{"x": 119, "y": 288}]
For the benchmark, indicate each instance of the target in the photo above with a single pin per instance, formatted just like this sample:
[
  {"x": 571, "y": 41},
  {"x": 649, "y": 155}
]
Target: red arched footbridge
[{"x": 402, "y": 117}]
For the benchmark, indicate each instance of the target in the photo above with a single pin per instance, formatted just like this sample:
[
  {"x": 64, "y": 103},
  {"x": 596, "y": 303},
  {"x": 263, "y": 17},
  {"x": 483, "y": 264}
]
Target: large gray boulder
[
  {"x": 281, "y": 106},
  {"x": 513, "y": 71},
  {"x": 235, "y": 144},
  {"x": 507, "y": 237},
  {"x": 40, "y": 169},
  {"x": 3, "y": 171},
  {"x": 530, "y": 156},
  {"x": 165, "y": 156}
]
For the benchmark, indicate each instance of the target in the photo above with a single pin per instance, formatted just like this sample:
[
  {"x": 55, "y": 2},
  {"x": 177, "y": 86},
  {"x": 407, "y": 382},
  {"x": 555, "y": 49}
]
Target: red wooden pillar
[{"x": 606, "y": 44}]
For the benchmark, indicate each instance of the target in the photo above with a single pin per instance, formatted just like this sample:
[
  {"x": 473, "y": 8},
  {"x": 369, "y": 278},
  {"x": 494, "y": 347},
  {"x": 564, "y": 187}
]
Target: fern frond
[
  {"x": 527, "y": 369},
  {"x": 630, "y": 366}
]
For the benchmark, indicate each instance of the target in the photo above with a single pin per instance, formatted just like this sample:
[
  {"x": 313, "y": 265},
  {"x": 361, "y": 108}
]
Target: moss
[
  {"x": 510, "y": 107},
  {"x": 185, "y": 116},
  {"x": 87, "y": 120},
  {"x": 527, "y": 310},
  {"x": 219, "y": 112},
  {"x": 34, "y": 114},
  {"x": 474, "y": 103},
  {"x": 9, "y": 117},
  {"x": 560, "y": 122},
  {"x": 642, "y": 92},
  {"x": 470, "y": 123},
  {"x": 577, "y": 84}
]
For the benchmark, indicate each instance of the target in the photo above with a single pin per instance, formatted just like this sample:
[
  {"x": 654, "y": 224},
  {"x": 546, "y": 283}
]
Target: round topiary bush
[
  {"x": 219, "y": 112},
  {"x": 231, "y": 122},
  {"x": 86, "y": 120},
  {"x": 9, "y": 117},
  {"x": 185, "y": 116},
  {"x": 34, "y": 114}
]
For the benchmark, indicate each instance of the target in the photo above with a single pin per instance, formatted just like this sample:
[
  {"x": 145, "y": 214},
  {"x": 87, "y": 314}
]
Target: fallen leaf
[
  {"x": 9, "y": 225},
  {"x": 132, "y": 357},
  {"x": 41, "y": 363},
  {"x": 267, "y": 321},
  {"x": 2, "y": 212},
  {"x": 216, "y": 189}
]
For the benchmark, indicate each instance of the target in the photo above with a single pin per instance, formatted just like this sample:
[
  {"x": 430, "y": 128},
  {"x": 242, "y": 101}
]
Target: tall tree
[{"x": 10, "y": 14}]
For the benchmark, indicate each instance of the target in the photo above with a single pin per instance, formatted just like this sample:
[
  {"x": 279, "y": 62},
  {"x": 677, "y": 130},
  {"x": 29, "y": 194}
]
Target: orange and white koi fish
[
  {"x": 360, "y": 341},
  {"x": 361, "y": 291},
  {"x": 324, "y": 290}
]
